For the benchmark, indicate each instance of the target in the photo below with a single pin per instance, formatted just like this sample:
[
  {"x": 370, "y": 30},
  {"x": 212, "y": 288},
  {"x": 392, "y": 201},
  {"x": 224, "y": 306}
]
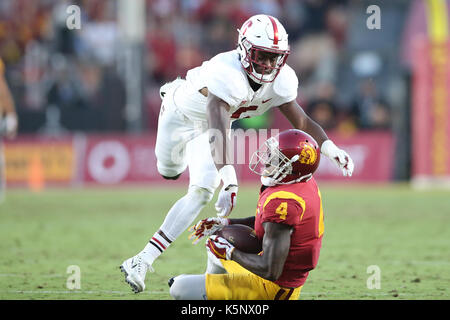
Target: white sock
[
  {"x": 154, "y": 248},
  {"x": 179, "y": 218}
]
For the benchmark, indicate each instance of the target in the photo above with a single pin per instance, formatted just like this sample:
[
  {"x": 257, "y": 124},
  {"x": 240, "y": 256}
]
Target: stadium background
[{"x": 87, "y": 101}]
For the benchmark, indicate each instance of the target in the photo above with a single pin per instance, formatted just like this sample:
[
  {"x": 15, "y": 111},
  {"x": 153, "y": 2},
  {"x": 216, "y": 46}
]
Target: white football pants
[{"x": 183, "y": 143}]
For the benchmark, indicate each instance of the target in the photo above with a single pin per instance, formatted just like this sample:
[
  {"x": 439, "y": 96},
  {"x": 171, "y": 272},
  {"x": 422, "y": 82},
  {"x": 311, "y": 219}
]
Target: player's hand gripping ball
[
  {"x": 219, "y": 247},
  {"x": 242, "y": 237},
  {"x": 206, "y": 228}
]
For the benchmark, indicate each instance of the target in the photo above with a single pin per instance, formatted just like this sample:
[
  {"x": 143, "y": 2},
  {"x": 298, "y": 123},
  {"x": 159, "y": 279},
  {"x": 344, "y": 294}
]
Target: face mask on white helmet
[{"x": 263, "y": 47}]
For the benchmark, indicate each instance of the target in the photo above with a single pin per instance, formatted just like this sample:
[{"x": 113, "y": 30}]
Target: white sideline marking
[
  {"x": 159, "y": 292},
  {"x": 78, "y": 292},
  {"x": 21, "y": 275},
  {"x": 319, "y": 294}
]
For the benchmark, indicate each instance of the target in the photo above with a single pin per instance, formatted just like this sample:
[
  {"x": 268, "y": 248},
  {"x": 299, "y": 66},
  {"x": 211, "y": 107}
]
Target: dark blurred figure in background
[
  {"x": 369, "y": 109},
  {"x": 89, "y": 97},
  {"x": 323, "y": 107}
]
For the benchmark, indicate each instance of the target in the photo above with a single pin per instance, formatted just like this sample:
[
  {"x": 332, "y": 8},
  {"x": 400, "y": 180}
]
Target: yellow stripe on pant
[{"x": 241, "y": 284}]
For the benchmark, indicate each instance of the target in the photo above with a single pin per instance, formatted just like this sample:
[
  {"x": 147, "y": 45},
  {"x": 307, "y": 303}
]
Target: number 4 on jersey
[{"x": 282, "y": 210}]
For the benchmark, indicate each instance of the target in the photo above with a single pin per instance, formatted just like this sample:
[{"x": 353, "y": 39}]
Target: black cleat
[{"x": 171, "y": 281}]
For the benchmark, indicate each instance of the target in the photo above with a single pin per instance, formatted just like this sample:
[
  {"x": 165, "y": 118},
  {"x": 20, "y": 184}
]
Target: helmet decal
[
  {"x": 275, "y": 30},
  {"x": 308, "y": 154},
  {"x": 247, "y": 25}
]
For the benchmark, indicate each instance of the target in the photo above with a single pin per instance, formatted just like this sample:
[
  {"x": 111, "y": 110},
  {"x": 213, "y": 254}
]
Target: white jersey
[{"x": 224, "y": 77}]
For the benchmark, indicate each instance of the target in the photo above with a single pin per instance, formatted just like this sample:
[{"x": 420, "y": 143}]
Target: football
[{"x": 242, "y": 237}]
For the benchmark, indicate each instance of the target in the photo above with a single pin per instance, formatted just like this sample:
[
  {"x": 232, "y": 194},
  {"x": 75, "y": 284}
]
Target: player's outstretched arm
[
  {"x": 218, "y": 125},
  {"x": 300, "y": 120}
]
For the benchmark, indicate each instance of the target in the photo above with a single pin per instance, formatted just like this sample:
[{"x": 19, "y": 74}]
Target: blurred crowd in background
[{"x": 70, "y": 80}]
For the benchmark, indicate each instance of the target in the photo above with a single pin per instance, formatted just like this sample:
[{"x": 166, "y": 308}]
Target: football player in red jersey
[{"x": 289, "y": 221}]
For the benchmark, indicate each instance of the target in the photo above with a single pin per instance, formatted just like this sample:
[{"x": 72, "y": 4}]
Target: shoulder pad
[
  {"x": 286, "y": 84},
  {"x": 227, "y": 82}
]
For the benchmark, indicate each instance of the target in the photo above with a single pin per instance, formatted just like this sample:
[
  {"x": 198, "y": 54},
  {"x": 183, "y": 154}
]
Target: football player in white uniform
[{"x": 196, "y": 114}]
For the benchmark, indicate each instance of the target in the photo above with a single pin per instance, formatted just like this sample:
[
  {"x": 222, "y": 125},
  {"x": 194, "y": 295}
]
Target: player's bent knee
[
  {"x": 179, "y": 288},
  {"x": 202, "y": 195},
  {"x": 188, "y": 287}
]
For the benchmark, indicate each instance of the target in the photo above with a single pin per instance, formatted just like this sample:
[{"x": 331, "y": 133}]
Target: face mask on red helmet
[{"x": 291, "y": 157}]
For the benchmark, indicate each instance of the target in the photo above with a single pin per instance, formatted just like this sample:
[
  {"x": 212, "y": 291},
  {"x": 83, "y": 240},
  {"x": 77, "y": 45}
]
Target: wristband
[
  {"x": 327, "y": 147},
  {"x": 228, "y": 175}
]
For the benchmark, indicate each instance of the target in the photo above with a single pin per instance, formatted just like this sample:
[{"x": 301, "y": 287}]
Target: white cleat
[{"x": 135, "y": 270}]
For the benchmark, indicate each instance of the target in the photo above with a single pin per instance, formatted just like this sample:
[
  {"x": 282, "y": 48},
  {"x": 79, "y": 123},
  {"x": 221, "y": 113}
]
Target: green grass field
[{"x": 405, "y": 233}]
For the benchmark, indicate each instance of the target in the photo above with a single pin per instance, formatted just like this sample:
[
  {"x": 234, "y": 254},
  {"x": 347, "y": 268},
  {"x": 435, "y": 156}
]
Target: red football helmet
[{"x": 292, "y": 156}]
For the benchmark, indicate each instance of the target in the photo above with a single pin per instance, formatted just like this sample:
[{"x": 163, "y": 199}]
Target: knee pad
[{"x": 202, "y": 195}]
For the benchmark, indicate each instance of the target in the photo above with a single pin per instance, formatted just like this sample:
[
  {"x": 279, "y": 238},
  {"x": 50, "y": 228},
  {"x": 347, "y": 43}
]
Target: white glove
[
  {"x": 226, "y": 201},
  {"x": 227, "y": 196},
  {"x": 220, "y": 247},
  {"x": 206, "y": 228},
  {"x": 339, "y": 157}
]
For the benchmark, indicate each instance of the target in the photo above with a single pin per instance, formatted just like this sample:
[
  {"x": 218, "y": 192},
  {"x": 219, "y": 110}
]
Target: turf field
[{"x": 405, "y": 233}]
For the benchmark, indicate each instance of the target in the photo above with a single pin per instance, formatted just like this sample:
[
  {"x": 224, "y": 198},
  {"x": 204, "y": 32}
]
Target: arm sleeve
[{"x": 285, "y": 211}]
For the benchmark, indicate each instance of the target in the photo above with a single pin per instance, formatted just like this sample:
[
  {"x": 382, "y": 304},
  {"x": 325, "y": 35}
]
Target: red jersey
[{"x": 298, "y": 205}]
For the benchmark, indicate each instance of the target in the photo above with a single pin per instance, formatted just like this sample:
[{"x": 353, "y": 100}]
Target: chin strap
[
  {"x": 302, "y": 178},
  {"x": 268, "y": 181}
]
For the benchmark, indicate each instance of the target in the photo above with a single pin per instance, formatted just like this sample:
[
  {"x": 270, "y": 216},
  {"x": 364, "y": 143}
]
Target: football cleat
[
  {"x": 171, "y": 281},
  {"x": 135, "y": 270}
]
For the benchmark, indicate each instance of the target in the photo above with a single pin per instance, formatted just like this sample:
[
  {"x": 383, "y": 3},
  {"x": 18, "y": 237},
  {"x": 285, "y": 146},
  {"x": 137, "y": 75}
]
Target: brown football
[{"x": 242, "y": 237}]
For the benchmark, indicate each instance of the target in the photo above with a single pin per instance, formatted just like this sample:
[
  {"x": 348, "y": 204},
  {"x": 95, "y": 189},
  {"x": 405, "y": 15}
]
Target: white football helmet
[{"x": 262, "y": 33}]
